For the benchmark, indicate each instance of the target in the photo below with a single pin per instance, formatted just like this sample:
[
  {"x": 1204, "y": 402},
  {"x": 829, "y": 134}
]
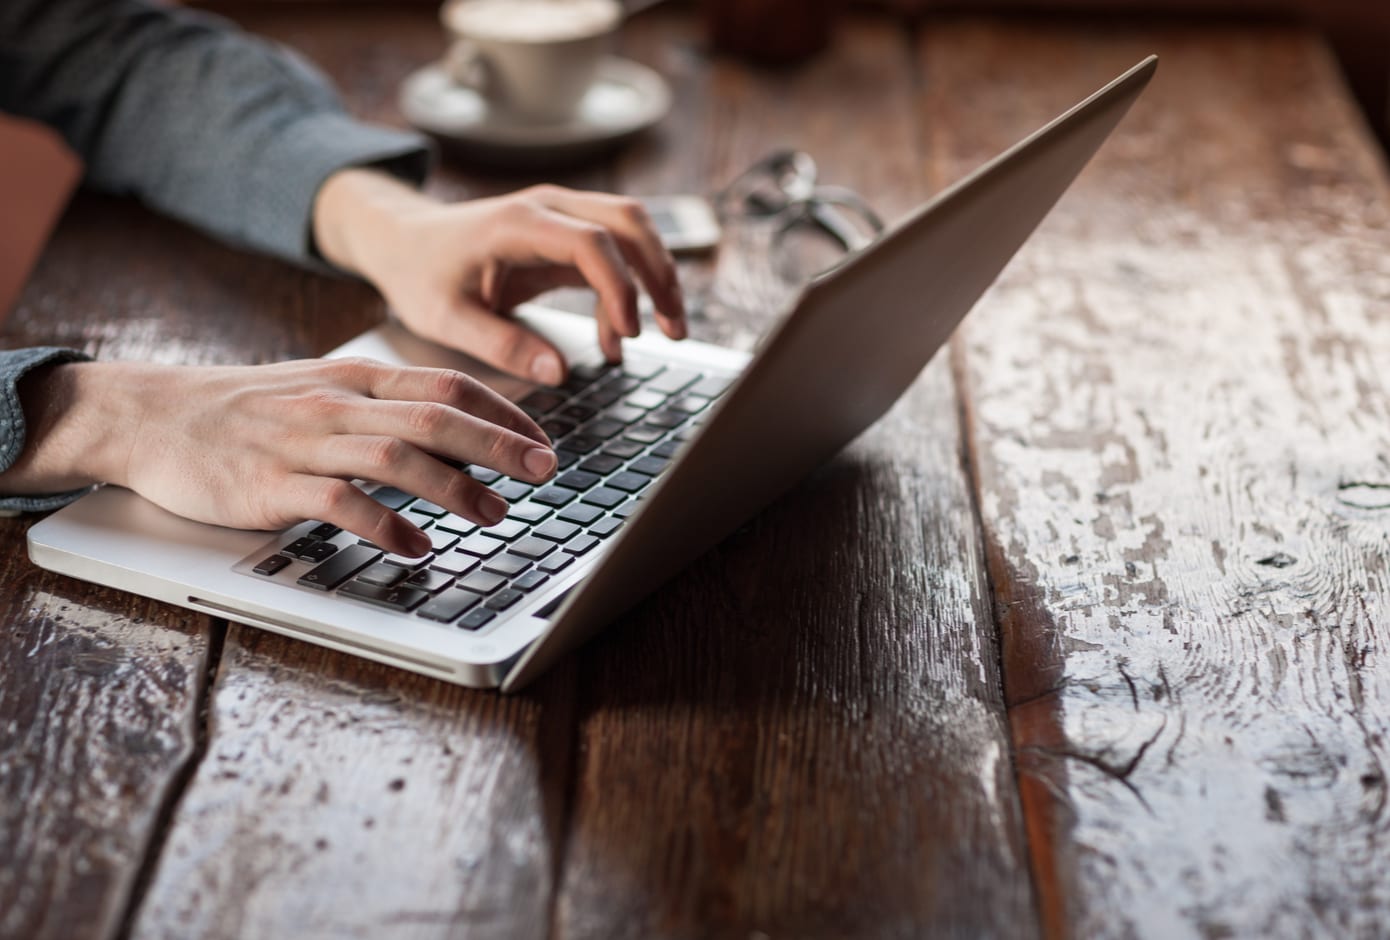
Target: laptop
[{"x": 661, "y": 457}]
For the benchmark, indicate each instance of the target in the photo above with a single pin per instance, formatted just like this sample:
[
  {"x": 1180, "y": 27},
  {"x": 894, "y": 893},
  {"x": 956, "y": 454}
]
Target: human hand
[
  {"x": 453, "y": 272},
  {"x": 264, "y": 447}
]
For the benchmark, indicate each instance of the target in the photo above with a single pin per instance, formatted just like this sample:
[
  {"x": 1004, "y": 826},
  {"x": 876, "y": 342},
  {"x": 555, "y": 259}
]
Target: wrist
[{"x": 357, "y": 216}]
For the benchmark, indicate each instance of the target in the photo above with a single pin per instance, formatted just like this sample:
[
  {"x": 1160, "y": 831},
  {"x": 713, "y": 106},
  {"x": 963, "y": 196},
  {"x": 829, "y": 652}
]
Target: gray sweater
[{"x": 194, "y": 118}]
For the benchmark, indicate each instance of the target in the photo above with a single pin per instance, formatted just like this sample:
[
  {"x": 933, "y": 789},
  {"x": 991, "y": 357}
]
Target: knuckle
[
  {"x": 499, "y": 446},
  {"x": 354, "y": 369},
  {"x": 542, "y": 191},
  {"x": 633, "y": 210},
  {"x": 321, "y": 404},
  {"x": 426, "y": 418},
  {"x": 457, "y": 489},
  {"x": 454, "y": 388},
  {"x": 385, "y": 452},
  {"x": 335, "y": 496}
]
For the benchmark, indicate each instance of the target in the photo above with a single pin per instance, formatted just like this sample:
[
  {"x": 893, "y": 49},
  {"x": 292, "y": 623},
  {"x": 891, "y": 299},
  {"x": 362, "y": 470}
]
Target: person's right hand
[{"x": 264, "y": 447}]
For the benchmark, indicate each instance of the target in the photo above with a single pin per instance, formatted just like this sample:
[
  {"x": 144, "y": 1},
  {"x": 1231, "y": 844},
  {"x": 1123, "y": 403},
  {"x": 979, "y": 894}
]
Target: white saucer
[{"x": 626, "y": 98}]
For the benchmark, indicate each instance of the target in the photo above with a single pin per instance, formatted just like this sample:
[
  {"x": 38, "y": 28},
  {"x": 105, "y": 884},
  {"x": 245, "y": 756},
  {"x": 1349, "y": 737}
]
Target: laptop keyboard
[{"x": 615, "y": 430}]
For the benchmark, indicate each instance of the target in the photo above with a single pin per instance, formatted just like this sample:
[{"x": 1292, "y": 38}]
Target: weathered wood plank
[
  {"x": 1181, "y": 424},
  {"x": 339, "y": 798},
  {"x": 802, "y": 735}
]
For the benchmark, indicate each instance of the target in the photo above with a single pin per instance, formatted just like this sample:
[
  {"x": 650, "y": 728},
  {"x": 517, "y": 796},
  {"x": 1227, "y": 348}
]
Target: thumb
[{"x": 503, "y": 343}]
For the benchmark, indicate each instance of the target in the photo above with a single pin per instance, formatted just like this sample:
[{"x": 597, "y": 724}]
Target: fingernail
[
  {"x": 492, "y": 507},
  {"x": 546, "y": 369},
  {"x": 539, "y": 461}
]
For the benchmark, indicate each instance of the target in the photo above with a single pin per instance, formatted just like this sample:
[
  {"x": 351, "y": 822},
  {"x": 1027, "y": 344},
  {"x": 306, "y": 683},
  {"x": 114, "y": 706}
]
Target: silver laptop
[{"x": 661, "y": 457}]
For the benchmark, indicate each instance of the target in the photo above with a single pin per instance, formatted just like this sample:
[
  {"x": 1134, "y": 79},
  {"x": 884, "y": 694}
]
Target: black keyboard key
[
  {"x": 557, "y": 562},
  {"x": 503, "y": 599},
  {"x": 509, "y": 565},
  {"x": 271, "y": 564},
  {"x": 639, "y": 369},
  {"x": 555, "y": 496},
  {"x": 578, "y": 480},
  {"x": 623, "y": 384},
  {"x": 298, "y": 547},
  {"x": 711, "y": 386},
  {"x": 319, "y": 551},
  {"x": 482, "y": 582},
  {"x": 591, "y": 371},
  {"x": 583, "y": 443},
  {"x": 390, "y": 497},
  {"x": 687, "y": 404},
  {"x": 606, "y": 526},
  {"x": 645, "y": 433},
  {"x": 484, "y": 476},
  {"x": 666, "y": 449},
  {"x": 532, "y": 547},
  {"x": 577, "y": 412},
  {"x": 506, "y": 530},
  {"x": 481, "y": 545},
  {"x": 605, "y": 497},
  {"x": 556, "y": 429},
  {"x": 542, "y": 400},
  {"x": 455, "y": 563},
  {"x": 324, "y": 530},
  {"x": 441, "y": 539},
  {"x": 626, "y": 509},
  {"x": 448, "y": 605},
  {"x": 624, "y": 413},
  {"x": 340, "y": 567},
  {"x": 565, "y": 458},
  {"x": 628, "y": 482},
  {"x": 580, "y": 544},
  {"x": 427, "y": 580},
  {"x": 512, "y": 490},
  {"x": 666, "y": 418},
  {"x": 601, "y": 398},
  {"x": 530, "y": 512},
  {"x": 580, "y": 513},
  {"x": 604, "y": 428},
  {"x": 392, "y": 598},
  {"x": 624, "y": 450},
  {"x": 557, "y": 531},
  {"x": 383, "y": 574},
  {"x": 474, "y": 619},
  {"x": 530, "y": 580},
  {"x": 602, "y": 464},
  {"x": 651, "y": 466},
  {"x": 672, "y": 381}
]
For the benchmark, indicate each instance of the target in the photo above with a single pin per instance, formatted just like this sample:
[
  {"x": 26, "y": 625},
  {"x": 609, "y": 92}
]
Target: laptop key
[
  {"x": 446, "y": 606},
  {"x": 565, "y": 459},
  {"x": 319, "y": 551},
  {"x": 639, "y": 369},
  {"x": 390, "y": 497},
  {"x": 298, "y": 547},
  {"x": 580, "y": 544},
  {"x": 583, "y": 443},
  {"x": 456, "y": 524},
  {"x": 324, "y": 530},
  {"x": 482, "y": 582},
  {"x": 604, "y": 428},
  {"x": 441, "y": 539},
  {"x": 672, "y": 381},
  {"x": 512, "y": 490},
  {"x": 481, "y": 545},
  {"x": 577, "y": 412},
  {"x": 644, "y": 399},
  {"x": 556, "y": 530},
  {"x": 628, "y": 482},
  {"x": 543, "y": 400},
  {"x": 557, "y": 562},
  {"x": 666, "y": 449},
  {"x": 623, "y": 384},
  {"x": 624, "y": 450},
  {"x": 339, "y": 568},
  {"x": 651, "y": 466},
  {"x": 606, "y": 526},
  {"x": 578, "y": 480},
  {"x": 532, "y": 547},
  {"x": 383, "y": 574},
  {"x": 271, "y": 565},
  {"x": 555, "y": 496},
  {"x": 711, "y": 386},
  {"x": 484, "y": 476},
  {"x": 626, "y": 509},
  {"x": 428, "y": 508},
  {"x": 666, "y": 418},
  {"x": 530, "y": 580},
  {"x": 602, "y": 464},
  {"x": 455, "y": 563},
  {"x": 503, "y": 599},
  {"x": 405, "y": 561},
  {"x": 645, "y": 433},
  {"x": 688, "y": 404},
  {"x": 605, "y": 497},
  {"x": 530, "y": 512},
  {"x": 580, "y": 513},
  {"x": 428, "y": 580},
  {"x": 624, "y": 413},
  {"x": 506, "y": 530},
  {"x": 601, "y": 398},
  {"x": 477, "y": 618},
  {"x": 509, "y": 565},
  {"x": 556, "y": 429},
  {"x": 392, "y": 598}
]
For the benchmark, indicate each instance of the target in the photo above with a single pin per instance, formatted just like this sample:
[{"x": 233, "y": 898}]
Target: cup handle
[{"x": 465, "y": 65}]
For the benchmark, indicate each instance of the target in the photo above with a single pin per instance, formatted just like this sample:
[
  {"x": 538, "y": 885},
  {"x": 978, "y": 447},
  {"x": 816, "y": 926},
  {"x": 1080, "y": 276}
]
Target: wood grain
[
  {"x": 1178, "y": 409},
  {"x": 801, "y": 734}
]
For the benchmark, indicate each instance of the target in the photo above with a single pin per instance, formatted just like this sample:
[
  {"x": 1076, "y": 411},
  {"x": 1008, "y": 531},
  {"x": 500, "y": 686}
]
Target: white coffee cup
[{"x": 533, "y": 60}]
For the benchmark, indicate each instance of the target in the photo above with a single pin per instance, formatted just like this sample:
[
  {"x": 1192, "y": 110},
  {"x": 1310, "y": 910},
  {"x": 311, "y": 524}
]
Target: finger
[
  {"x": 544, "y": 235},
  {"x": 523, "y": 283},
  {"x": 457, "y": 390},
  {"x": 387, "y": 459},
  {"x": 339, "y": 502},
  {"x": 503, "y": 343},
  {"x": 439, "y": 429},
  {"x": 627, "y": 219}
]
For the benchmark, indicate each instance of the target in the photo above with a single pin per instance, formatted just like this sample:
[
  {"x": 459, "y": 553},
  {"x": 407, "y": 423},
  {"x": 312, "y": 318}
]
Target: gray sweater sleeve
[{"x": 193, "y": 117}]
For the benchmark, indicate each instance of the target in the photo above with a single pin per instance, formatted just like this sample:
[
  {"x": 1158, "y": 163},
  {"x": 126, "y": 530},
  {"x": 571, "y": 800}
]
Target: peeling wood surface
[
  {"x": 1181, "y": 422},
  {"x": 1169, "y": 418}
]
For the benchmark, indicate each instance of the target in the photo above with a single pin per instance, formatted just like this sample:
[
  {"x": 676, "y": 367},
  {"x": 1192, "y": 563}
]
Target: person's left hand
[{"x": 453, "y": 272}]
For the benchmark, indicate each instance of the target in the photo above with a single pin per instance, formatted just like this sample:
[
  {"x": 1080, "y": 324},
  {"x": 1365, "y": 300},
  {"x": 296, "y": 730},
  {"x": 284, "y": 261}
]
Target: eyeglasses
[{"x": 782, "y": 187}]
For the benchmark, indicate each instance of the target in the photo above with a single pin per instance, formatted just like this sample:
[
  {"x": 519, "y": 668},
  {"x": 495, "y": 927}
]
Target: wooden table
[{"x": 1082, "y": 639}]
